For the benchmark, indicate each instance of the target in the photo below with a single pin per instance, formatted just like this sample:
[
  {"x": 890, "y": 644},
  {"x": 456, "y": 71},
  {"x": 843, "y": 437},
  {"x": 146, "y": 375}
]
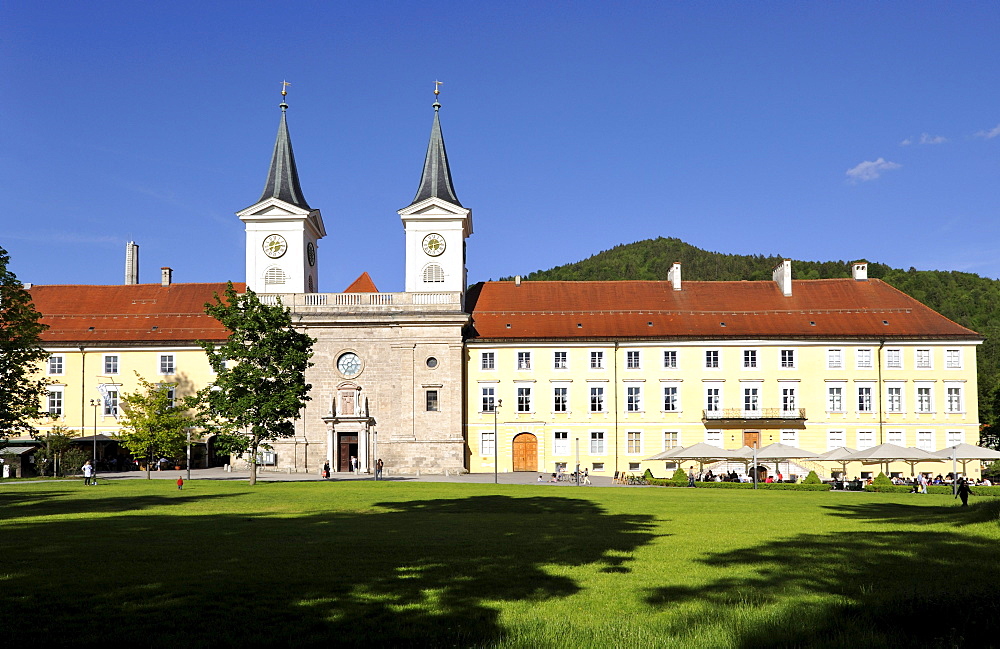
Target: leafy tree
[
  {"x": 52, "y": 458},
  {"x": 20, "y": 353},
  {"x": 153, "y": 425},
  {"x": 260, "y": 386}
]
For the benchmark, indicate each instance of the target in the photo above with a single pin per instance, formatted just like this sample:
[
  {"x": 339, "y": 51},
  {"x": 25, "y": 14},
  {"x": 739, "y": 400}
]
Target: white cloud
[
  {"x": 990, "y": 134},
  {"x": 925, "y": 138},
  {"x": 870, "y": 170}
]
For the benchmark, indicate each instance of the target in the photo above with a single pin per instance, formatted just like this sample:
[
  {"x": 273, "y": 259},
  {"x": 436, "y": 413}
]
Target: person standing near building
[
  {"x": 378, "y": 469},
  {"x": 88, "y": 473},
  {"x": 354, "y": 464}
]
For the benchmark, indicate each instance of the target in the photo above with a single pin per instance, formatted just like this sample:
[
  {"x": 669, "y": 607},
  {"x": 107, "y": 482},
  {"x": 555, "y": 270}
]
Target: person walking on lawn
[{"x": 964, "y": 492}]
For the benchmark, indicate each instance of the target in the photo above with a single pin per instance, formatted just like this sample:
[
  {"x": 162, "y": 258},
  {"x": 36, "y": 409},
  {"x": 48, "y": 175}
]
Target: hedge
[
  {"x": 932, "y": 489},
  {"x": 785, "y": 486}
]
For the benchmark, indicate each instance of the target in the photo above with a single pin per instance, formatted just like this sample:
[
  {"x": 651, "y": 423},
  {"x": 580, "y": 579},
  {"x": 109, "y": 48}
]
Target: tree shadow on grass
[
  {"x": 411, "y": 573},
  {"x": 983, "y": 511},
  {"x": 29, "y": 504},
  {"x": 865, "y": 588}
]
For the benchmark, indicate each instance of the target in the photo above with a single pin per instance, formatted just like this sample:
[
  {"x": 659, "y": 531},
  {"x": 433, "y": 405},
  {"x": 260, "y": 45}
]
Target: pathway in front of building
[{"x": 281, "y": 476}]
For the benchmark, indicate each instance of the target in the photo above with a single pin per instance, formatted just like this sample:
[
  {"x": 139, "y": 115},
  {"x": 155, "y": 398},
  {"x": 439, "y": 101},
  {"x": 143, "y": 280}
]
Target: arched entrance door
[{"x": 525, "y": 452}]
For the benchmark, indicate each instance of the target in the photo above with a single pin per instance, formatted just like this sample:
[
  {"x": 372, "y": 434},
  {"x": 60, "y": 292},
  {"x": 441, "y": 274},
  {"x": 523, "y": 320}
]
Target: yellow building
[
  {"x": 614, "y": 372},
  {"x": 100, "y": 337}
]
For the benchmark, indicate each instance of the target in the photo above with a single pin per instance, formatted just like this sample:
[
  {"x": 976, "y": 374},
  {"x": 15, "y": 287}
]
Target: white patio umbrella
[
  {"x": 700, "y": 453},
  {"x": 838, "y": 454},
  {"x": 964, "y": 453},
  {"x": 885, "y": 453}
]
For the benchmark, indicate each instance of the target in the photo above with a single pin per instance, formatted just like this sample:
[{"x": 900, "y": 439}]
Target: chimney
[
  {"x": 859, "y": 270},
  {"x": 166, "y": 275},
  {"x": 517, "y": 280},
  {"x": 782, "y": 276},
  {"x": 131, "y": 263},
  {"x": 674, "y": 275}
]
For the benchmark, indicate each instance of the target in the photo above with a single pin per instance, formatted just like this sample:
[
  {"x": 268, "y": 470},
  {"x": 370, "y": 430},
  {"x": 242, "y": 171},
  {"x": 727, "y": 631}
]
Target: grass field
[{"x": 221, "y": 564}]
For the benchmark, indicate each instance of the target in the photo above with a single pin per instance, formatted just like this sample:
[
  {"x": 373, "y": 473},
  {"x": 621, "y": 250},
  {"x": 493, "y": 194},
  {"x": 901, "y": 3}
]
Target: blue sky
[{"x": 811, "y": 130}]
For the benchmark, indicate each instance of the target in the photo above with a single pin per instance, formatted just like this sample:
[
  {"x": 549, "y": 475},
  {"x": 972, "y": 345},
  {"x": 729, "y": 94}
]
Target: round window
[{"x": 432, "y": 362}]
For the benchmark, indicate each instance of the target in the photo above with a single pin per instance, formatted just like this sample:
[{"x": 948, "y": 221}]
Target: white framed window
[
  {"x": 894, "y": 359},
  {"x": 790, "y": 437},
  {"x": 597, "y": 442},
  {"x": 923, "y": 359},
  {"x": 167, "y": 364},
  {"x": 925, "y": 401},
  {"x": 487, "y": 361},
  {"x": 713, "y": 399},
  {"x": 866, "y": 439},
  {"x": 835, "y": 399},
  {"x": 953, "y": 359},
  {"x": 633, "y": 442},
  {"x": 524, "y": 399},
  {"x": 111, "y": 363},
  {"x": 633, "y": 359},
  {"x": 749, "y": 359},
  {"x": 598, "y": 467},
  {"x": 433, "y": 273},
  {"x": 111, "y": 404},
  {"x": 560, "y": 360},
  {"x": 834, "y": 359},
  {"x": 671, "y": 398},
  {"x": 171, "y": 397},
  {"x": 894, "y": 399},
  {"x": 788, "y": 358},
  {"x": 954, "y": 399},
  {"x": 55, "y": 402},
  {"x": 670, "y": 359},
  {"x": 954, "y": 437},
  {"x": 714, "y": 438},
  {"x": 712, "y": 358},
  {"x": 524, "y": 360},
  {"x": 597, "y": 360},
  {"x": 751, "y": 399},
  {"x": 560, "y": 398},
  {"x": 560, "y": 444},
  {"x": 864, "y": 399},
  {"x": 487, "y": 443},
  {"x": 835, "y": 438},
  {"x": 671, "y": 439},
  {"x": 55, "y": 364},
  {"x": 863, "y": 358},
  {"x": 597, "y": 398},
  {"x": 896, "y": 437},
  {"x": 489, "y": 395},
  {"x": 633, "y": 398},
  {"x": 431, "y": 401},
  {"x": 788, "y": 400},
  {"x": 925, "y": 440}
]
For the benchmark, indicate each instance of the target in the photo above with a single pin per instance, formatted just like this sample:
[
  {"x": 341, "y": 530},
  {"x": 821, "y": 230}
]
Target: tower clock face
[
  {"x": 349, "y": 364},
  {"x": 275, "y": 245},
  {"x": 433, "y": 244},
  {"x": 311, "y": 253}
]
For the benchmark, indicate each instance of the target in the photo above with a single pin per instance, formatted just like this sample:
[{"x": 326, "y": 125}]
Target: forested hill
[{"x": 966, "y": 298}]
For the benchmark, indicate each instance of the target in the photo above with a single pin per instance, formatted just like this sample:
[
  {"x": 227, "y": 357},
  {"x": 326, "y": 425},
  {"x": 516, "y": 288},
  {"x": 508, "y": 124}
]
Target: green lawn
[{"x": 221, "y": 564}]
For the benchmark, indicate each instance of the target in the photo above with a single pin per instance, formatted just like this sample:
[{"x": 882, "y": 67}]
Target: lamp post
[
  {"x": 95, "y": 403},
  {"x": 375, "y": 451},
  {"x": 577, "y": 461},
  {"x": 496, "y": 443}
]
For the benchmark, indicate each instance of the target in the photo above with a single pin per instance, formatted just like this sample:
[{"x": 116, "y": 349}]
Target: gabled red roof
[
  {"x": 127, "y": 313},
  {"x": 824, "y": 308},
  {"x": 363, "y": 284}
]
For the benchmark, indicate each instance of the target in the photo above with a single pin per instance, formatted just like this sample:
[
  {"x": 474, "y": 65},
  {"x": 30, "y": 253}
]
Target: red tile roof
[
  {"x": 363, "y": 284},
  {"x": 824, "y": 308},
  {"x": 133, "y": 313}
]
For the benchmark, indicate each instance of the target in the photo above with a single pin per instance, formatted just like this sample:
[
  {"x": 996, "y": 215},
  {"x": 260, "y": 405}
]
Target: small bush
[
  {"x": 881, "y": 480},
  {"x": 812, "y": 478},
  {"x": 648, "y": 475},
  {"x": 680, "y": 478}
]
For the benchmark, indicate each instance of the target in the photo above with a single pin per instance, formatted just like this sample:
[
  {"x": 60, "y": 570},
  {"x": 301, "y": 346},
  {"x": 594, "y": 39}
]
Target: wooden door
[
  {"x": 348, "y": 449},
  {"x": 525, "y": 452},
  {"x": 751, "y": 438}
]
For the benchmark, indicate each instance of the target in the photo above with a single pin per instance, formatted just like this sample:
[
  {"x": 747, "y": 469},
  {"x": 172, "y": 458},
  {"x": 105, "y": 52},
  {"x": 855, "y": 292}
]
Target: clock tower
[
  {"x": 436, "y": 225},
  {"x": 282, "y": 231}
]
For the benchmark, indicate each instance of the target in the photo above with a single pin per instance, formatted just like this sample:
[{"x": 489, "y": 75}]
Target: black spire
[
  {"x": 436, "y": 178},
  {"x": 283, "y": 177}
]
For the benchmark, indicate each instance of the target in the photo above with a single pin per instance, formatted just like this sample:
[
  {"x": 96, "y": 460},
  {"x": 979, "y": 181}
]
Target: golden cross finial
[
  {"x": 284, "y": 86},
  {"x": 438, "y": 84}
]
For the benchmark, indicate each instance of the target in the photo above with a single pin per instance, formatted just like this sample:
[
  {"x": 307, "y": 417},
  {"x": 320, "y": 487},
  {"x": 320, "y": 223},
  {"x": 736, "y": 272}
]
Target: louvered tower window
[{"x": 433, "y": 273}]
